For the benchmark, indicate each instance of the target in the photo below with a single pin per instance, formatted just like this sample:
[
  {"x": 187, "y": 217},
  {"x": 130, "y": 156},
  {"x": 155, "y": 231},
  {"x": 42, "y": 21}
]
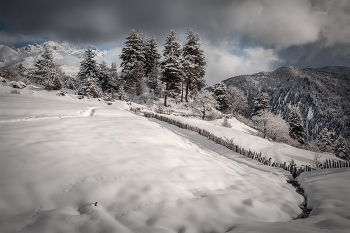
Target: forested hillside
[{"x": 322, "y": 94}]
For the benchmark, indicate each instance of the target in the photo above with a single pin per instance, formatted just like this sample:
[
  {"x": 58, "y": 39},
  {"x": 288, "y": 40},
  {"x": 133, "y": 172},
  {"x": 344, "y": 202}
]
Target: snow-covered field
[{"x": 60, "y": 155}]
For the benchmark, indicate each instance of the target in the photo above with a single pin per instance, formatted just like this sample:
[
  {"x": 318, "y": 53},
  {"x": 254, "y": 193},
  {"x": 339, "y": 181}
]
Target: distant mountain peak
[{"x": 30, "y": 53}]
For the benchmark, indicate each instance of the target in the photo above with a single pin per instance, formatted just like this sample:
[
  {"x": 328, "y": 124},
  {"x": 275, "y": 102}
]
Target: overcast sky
[{"x": 238, "y": 36}]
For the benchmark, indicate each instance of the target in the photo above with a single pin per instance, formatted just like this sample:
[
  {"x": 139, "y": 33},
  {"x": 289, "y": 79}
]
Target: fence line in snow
[{"x": 293, "y": 169}]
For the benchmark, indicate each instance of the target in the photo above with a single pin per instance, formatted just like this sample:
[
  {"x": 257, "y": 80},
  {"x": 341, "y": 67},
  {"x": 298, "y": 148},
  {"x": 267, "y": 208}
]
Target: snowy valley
[{"x": 80, "y": 165}]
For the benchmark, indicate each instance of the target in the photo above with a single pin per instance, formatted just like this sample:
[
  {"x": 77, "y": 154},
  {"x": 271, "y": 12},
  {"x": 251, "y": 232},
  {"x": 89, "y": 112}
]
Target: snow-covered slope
[
  {"x": 29, "y": 55},
  {"x": 69, "y": 165},
  {"x": 247, "y": 137}
]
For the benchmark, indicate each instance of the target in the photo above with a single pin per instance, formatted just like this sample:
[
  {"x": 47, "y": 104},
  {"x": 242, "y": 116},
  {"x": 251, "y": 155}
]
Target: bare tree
[
  {"x": 237, "y": 100},
  {"x": 204, "y": 103},
  {"x": 272, "y": 126}
]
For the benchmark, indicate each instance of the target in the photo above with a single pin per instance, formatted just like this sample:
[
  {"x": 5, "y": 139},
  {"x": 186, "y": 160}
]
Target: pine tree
[
  {"x": 47, "y": 72},
  {"x": 133, "y": 57},
  {"x": 104, "y": 76},
  {"x": 296, "y": 126},
  {"x": 52, "y": 81},
  {"x": 153, "y": 79},
  {"x": 340, "y": 149},
  {"x": 151, "y": 55},
  {"x": 88, "y": 76},
  {"x": 221, "y": 96},
  {"x": 22, "y": 71},
  {"x": 88, "y": 66},
  {"x": 122, "y": 95},
  {"x": 324, "y": 141},
  {"x": 172, "y": 73},
  {"x": 194, "y": 63},
  {"x": 90, "y": 87},
  {"x": 261, "y": 104},
  {"x": 45, "y": 67},
  {"x": 70, "y": 83},
  {"x": 114, "y": 77}
]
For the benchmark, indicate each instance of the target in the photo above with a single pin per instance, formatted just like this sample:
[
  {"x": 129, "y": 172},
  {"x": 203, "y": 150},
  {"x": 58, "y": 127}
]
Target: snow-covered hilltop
[{"x": 28, "y": 55}]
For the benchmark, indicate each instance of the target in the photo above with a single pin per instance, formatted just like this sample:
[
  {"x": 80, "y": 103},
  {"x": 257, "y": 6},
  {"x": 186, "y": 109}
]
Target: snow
[
  {"x": 144, "y": 175},
  {"x": 247, "y": 138},
  {"x": 328, "y": 194}
]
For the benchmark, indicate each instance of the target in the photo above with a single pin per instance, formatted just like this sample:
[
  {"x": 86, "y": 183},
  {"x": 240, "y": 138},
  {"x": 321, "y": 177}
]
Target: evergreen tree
[
  {"x": 122, "y": 95},
  {"x": 296, "y": 126},
  {"x": 151, "y": 55},
  {"x": 88, "y": 76},
  {"x": 104, "y": 76},
  {"x": 88, "y": 66},
  {"x": 114, "y": 77},
  {"x": 340, "y": 149},
  {"x": 90, "y": 87},
  {"x": 221, "y": 96},
  {"x": 52, "y": 81},
  {"x": 153, "y": 79},
  {"x": 194, "y": 63},
  {"x": 324, "y": 141},
  {"x": 69, "y": 83},
  {"x": 172, "y": 73},
  {"x": 261, "y": 104},
  {"x": 47, "y": 72},
  {"x": 133, "y": 57},
  {"x": 22, "y": 71},
  {"x": 134, "y": 82},
  {"x": 45, "y": 67}
]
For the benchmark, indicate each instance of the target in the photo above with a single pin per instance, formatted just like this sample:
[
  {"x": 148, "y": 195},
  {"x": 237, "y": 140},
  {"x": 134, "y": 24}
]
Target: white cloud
[
  {"x": 222, "y": 64},
  {"x": 278, "y": 23},
  {"x": 112, "y": 56}
]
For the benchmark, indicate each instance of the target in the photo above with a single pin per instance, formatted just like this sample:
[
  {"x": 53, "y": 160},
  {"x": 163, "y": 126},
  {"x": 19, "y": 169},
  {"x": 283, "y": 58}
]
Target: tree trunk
[
  {"x": 165, "y": 94},
  {"x": 187, "y": 87},
  {"x": 182, "y": 91}
]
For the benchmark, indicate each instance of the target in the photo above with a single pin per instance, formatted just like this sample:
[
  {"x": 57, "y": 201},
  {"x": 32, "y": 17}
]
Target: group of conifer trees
[
  {"x": 181, "y": 69},
  {"x": 180, "y": 73}
]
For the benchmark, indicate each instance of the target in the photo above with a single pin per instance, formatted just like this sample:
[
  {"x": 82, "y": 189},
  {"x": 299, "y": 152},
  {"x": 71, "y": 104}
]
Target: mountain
[
  {"x": 322, "y": 95},
  {"x": 61, "y": 52}
]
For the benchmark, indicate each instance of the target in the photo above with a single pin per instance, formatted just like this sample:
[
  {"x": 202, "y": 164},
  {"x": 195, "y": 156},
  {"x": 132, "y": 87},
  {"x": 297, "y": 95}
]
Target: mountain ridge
[
  {"x": 28, "y": 55},
  {"x": 322, "y": 95}
]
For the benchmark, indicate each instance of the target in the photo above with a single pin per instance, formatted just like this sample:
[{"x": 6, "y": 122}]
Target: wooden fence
[{"x": 293, "y": 169}]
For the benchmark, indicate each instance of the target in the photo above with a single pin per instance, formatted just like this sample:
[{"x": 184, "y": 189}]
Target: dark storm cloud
[{"x": 300, "y": 32}]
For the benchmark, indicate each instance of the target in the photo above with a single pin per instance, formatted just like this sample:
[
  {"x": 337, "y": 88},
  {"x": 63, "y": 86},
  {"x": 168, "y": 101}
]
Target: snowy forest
[{"x": 175, "y": 81}]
